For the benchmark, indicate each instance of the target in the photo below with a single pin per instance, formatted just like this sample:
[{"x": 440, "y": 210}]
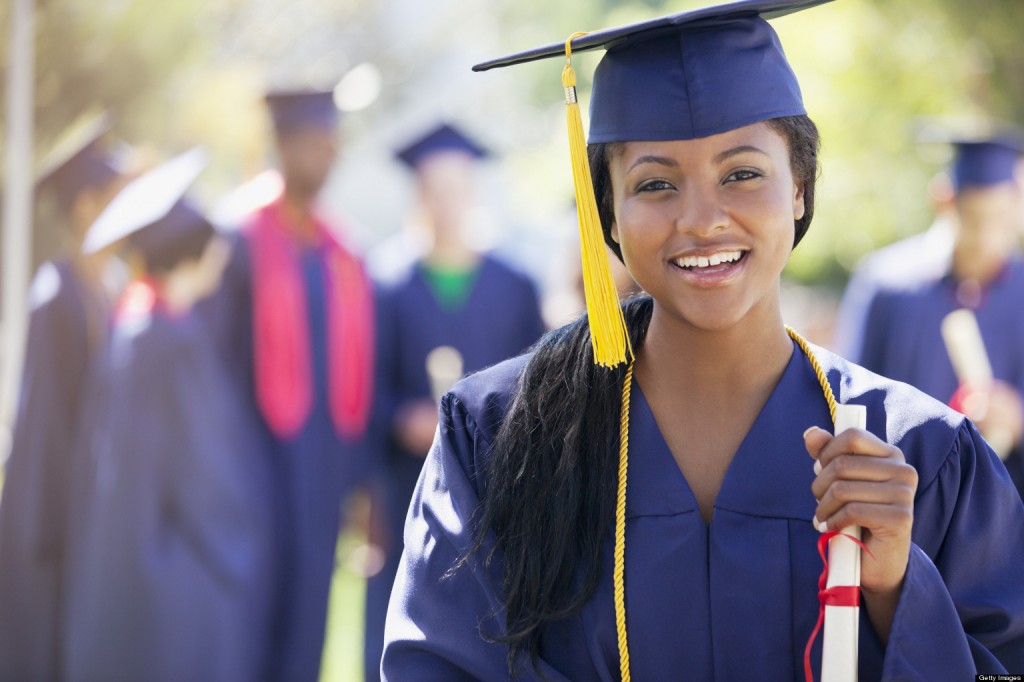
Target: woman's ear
[
  {"x": 614, "y": 231},
  {"x": 798, "y": 202}
]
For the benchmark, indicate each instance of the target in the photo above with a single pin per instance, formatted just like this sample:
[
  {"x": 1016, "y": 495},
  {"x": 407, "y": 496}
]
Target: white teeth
[{"x": 708, "y": 261}]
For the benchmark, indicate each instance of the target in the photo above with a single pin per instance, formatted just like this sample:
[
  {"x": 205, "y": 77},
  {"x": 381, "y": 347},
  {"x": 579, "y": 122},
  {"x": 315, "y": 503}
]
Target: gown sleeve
[
  {"x": 438, "y": 620},
  {"x": 961, "y": 611}
]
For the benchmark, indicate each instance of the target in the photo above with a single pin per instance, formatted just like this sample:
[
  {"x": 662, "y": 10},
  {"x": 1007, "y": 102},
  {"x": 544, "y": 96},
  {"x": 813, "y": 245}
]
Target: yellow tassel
[{"x": 608, "y": 334}]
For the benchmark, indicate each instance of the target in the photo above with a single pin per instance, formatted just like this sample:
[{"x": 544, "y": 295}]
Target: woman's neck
[{"x": 723, "y": 365}]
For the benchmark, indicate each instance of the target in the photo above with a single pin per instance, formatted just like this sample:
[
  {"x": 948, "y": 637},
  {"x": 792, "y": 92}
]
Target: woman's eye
[
  {"x": 742, "y": 174},
  {"x": 653, "y": 186}
]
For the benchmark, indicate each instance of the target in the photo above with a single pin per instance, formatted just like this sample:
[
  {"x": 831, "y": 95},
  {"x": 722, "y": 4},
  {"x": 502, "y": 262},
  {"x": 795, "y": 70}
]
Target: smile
[{"x": 714, "y": 262}]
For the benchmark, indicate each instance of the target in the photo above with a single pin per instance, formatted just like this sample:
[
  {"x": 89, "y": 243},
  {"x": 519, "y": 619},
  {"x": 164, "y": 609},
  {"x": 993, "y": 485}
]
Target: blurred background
[
  {"x": 193, "y": 72},
  {"x": 177, "y": 74}
]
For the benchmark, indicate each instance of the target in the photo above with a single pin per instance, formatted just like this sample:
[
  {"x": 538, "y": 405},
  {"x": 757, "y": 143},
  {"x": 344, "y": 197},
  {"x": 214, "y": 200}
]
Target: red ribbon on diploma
[{"x": 838, "y": 595}]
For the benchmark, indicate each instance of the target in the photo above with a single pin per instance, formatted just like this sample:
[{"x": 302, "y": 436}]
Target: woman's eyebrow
[
  {"x": 650, "y": 158},
  {"x": 739, "y": 150}
]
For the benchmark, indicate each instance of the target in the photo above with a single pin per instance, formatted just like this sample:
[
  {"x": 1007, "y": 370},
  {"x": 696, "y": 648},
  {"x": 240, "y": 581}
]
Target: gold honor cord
[{"x": 619, "y": 569}]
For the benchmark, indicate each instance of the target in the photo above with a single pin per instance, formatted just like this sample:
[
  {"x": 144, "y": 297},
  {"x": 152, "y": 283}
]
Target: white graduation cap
[{"x": 145, "y": 200}]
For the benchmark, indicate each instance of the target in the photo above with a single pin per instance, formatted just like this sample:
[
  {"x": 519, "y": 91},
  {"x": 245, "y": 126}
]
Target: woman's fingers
[
  {"x": 858, "y": 476},
  {"x": 856, "y": 467},
  {"x": 824, "y": 448},
  {"x": 860, "y": 500}
]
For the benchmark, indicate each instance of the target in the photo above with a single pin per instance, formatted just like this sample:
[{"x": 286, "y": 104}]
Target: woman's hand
[{"x": 863, "y": 481}]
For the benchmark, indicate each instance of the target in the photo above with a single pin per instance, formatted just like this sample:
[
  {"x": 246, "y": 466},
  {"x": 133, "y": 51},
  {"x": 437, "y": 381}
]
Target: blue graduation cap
[
  {"x": 680, "y": 77},
  {"x": 291, "y": 109},
  {"x": 688, "y": 75},
  {"x": 78, "y": 162},
  {"x": 985, "y": 151},
  {"x": 983, "y": 163},
  {"x": 442, "y": 138},
  {"x": 152, "y": 210},
  {"x": 183, "y": 233}
]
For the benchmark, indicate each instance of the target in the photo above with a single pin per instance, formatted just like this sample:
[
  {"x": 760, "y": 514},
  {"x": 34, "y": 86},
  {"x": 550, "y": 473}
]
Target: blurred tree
[
  {"x": 991, "y": 30},
  {"x": 118, "y": 55}
]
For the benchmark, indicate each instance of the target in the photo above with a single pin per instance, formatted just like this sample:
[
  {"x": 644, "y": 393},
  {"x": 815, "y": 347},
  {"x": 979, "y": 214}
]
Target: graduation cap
[
  {"x": 78, "y": 161},
  {"x": 984, "y": 163},
  {"x": 442, "y": 138},
  {"x": 985, "y": 151},
  {"x": 679, "y": 77},
  {"x": 291, "y": 109},
  {"x": 152, "y": 210}
]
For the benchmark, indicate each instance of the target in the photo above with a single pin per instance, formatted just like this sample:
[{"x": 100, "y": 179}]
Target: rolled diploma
[
  {"x": 444, "y": 367},
  {"x": 966, "y": 349},
  {"x": 842, "y": 623}
]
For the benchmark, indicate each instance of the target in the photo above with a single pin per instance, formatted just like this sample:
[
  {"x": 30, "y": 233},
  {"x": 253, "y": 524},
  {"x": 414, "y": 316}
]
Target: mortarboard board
[
  {"x": 292, "y": 109},
  {"x": 684, "y": 76},
  {"x": 442, "y": 138},
  {"x": 154, "y": 203},
  {"x": 78, "y": 161}
]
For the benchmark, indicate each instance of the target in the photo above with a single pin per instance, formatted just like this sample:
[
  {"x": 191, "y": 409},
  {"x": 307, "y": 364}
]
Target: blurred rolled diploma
[
  {"x": 840, "y": 639},
  {"x": 966, "y": 349},
  {"x": 444, "y": 367}
]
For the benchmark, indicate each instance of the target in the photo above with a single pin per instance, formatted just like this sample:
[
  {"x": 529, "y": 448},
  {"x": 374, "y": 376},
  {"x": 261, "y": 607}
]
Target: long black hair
[{"x": 549, "y": 492}]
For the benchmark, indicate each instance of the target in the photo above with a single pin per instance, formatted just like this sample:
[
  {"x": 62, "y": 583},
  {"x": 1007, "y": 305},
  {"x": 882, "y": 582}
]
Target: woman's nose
[{"x": 701, "y": 213}]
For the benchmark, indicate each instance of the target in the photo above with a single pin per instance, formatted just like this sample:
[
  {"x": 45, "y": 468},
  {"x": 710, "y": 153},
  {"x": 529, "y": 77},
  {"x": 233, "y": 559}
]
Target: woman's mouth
[{"x": 713, "y": 263}]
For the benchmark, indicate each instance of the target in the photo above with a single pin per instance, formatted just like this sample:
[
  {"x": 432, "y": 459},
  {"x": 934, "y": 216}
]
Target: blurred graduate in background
[
  {"x": 68, "y": 324},
  {"x": 293, "y": 317},
  {"x": 453, "y": 311},
  {"x": 902, "y": 264},
  {"x": 906, "y": 336},
  {"x": 171, "y": 549}
]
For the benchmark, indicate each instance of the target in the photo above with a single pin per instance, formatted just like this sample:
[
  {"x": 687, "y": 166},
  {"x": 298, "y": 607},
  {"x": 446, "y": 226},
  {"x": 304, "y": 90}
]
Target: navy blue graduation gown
[
  {"x": 903, "y": 338},
  {"x": 908, "y": 262},
  {"x": 737, "y": 598},
  {"x": 499, "y": 319},
  {"x": 312, "y": 473},
  {"x": 66, "y": 325},
  {"x": 172, "y": 548}
]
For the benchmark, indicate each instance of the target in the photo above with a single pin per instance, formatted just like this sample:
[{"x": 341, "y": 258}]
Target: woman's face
[{"x": 706, "y": 225}]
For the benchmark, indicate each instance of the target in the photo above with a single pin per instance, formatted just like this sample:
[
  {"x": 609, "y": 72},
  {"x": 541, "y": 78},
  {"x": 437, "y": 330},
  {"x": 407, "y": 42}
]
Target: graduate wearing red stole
[{"x": 294, "y": 319}]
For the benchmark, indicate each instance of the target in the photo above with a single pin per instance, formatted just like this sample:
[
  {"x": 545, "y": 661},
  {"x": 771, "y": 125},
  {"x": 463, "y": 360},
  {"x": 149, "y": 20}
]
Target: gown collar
[{"x": 771, "y": 472}]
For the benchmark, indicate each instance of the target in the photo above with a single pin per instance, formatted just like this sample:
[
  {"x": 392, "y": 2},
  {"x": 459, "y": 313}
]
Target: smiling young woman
[{"x": 530, "y": 552}]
